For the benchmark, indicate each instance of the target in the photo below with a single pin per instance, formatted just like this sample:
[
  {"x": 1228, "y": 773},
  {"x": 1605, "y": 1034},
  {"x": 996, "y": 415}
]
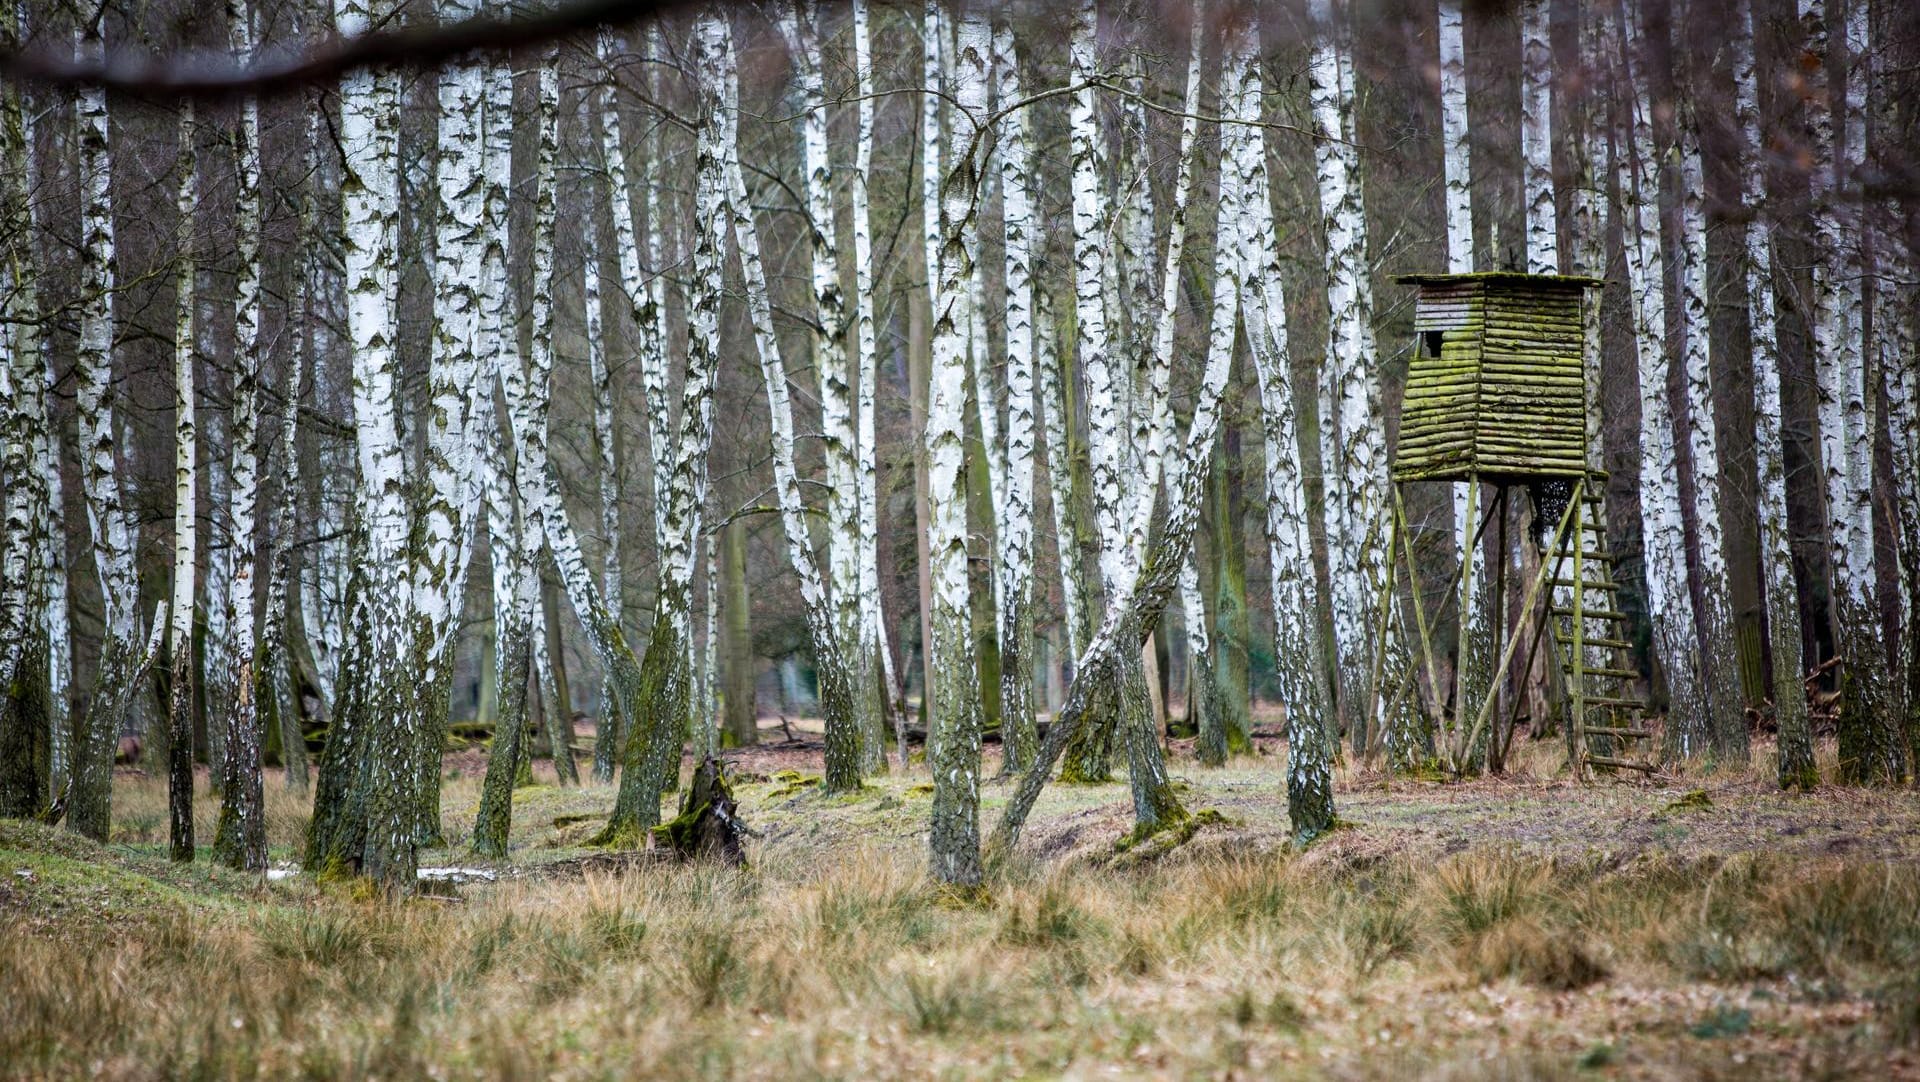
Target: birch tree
[
  {"x": 1725, "y": 722},
  {"x": 123, "y": 657},
  {"x": 874, "y": 650},
  {"x": 240, "y": 840},
  {"x": 368, "y": 783},
  {"x": 1870, "y": 748},
  {"x": 842, "y": 773},
  {"x": 31, "y": 725},
  {"x": 185, "y": 489},
  {"x": 1536, "y": 136},
  {"x": 954, "y": 718},
  {"x": 1668, "y": 602},
  {"x": 1103, "y": 373},
  {"x": 1014, "y": 493},
  {"x": 658, "y": 694},
  {"x": 830, "y": 329},
  {"x": 1795, "y": 766},
  {"x": 1298, "y": 660},
  {"x": 1473, "y": 654},
  {"x": 1355, "y": 474}
]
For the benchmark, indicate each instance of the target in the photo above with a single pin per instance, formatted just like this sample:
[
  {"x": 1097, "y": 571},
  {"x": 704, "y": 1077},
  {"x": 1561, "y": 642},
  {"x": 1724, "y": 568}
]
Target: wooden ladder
[{"x": 1606, "y": 724}]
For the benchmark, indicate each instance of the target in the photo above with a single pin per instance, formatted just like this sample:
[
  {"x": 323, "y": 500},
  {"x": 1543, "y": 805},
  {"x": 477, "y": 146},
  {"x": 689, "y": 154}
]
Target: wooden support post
[
  {"x": 1413, "y": 578},
  {"x": 1533, "y": 594}
]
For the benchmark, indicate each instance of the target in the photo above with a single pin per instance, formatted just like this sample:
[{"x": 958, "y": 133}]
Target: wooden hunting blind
[
  {"x": 1496, "y": 395},
  {"x": 1497, "y": 387}
]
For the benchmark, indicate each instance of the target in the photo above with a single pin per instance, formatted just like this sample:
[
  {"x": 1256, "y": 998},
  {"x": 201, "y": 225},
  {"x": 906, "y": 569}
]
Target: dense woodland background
[{"x": 1835, "y": 86}]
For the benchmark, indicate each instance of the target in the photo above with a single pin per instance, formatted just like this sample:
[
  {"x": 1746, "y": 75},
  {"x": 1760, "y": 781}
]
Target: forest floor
[{"x": 1507, "y": 928}]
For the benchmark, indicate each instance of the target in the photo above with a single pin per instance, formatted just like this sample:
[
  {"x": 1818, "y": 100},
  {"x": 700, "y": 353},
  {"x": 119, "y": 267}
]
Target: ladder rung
[
  {"x": 1597, "y": 557},
  {"x": 1605, "y": 644},
  {"x": 1602, "y": 670},
  {"x": 1592, "y": 614},
  {"x": 1588, "y": 583},
  {"x": 1602, "y": 730},
  {"x": 1609, "y": 700},
  {"x": 1624, "y": 764}
]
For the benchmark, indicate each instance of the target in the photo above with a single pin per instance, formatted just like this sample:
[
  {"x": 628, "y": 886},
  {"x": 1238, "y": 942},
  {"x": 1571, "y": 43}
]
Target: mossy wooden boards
[{"x": 1496, "y": 386}]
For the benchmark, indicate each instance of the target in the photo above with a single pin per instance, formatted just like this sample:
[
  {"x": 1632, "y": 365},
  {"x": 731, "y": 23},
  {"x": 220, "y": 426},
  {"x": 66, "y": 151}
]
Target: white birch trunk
[
  {"x": 1014, "y": 487},
  {"x": 606, "y": 440},
  {"x": 1455, "y": 137},
  {"x": 1871, "y": 747},
  {"x": 1105, "y": 415},
  {"x": 1257, "y": 274},
  {"x": 646, "y": 293},
  {"x": 1052, "y": 405},
  {"x": 185, "y": 489},
  {"x": 831, "y": 325},
  {"x": 656, "y": 693},
  {"x": 109, "y": 531},
  {"x": 370, "y": 197},
  {"x": 241, "y": 840},
  {"x": 1154, "y": 414},
  {"x": 1668, "y": 602},
  {"x": 954, "y": 717},
  {"x": 1725, "y": 723},
  {"x": 1536, "y": 136},
  {"x": 1795, "y": 764},
  {"x": 1355, "y": 475},
  {"x": 873, "y": 628},
  {"x": 836, "y": 690}
]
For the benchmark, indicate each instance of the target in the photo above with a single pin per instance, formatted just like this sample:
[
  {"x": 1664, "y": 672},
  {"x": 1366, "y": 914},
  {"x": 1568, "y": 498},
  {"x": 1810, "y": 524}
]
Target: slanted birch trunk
[
  {"x": 842, "y": 772},
  {"x": 1102, "y": 374},
  {"x": 185, "y": 489},
  {"x": 830, "y": 330},
  {"x": 658, "y": 696}
]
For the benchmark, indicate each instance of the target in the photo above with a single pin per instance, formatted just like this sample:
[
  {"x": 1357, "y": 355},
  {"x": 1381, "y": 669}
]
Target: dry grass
[{"x": 1388, "y": 951}]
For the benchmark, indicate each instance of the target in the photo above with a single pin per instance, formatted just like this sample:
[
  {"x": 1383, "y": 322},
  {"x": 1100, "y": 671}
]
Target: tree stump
[{"x": 708, "y": 826}]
